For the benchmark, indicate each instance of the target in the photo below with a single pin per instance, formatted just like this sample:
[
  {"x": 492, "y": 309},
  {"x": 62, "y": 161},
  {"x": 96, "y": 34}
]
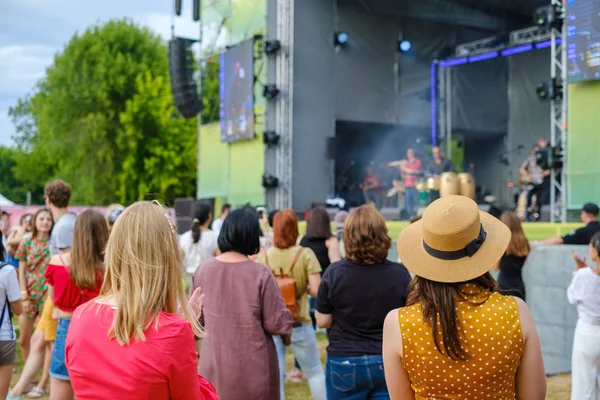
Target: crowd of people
[{"x": 126, "y": 308}]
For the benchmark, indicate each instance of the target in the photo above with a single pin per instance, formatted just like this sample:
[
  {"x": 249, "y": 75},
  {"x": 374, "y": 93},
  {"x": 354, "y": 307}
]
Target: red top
[
  {"x": 67, "y": 295},
  {"x": 410, "y": 180},
  {"x": 164, "y": 366}
]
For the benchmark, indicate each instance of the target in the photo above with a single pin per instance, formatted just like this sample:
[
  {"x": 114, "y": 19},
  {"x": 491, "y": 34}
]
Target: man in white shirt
[
  {"x": 10, "y": 300},
  {"x": 218, "y": 223}
]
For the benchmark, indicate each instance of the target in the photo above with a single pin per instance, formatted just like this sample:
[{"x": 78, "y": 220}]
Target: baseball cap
[
  {"x": 340, "y": 218},
  {"x": 590, "y": 208},
  {"x": 114, "y": 214}
]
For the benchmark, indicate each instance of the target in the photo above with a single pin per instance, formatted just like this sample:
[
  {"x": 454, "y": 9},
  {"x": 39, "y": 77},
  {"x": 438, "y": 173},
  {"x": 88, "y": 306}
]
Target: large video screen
[
  {"x": 236, "y": 92},
  {"x": 583, "y": 31}
]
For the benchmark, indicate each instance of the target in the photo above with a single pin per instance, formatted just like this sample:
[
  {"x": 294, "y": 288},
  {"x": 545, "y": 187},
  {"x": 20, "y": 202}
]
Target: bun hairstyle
[{"x": 202, "y": 213}]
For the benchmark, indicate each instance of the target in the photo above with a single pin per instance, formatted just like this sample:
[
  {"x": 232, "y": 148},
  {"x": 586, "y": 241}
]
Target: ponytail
[{"x": 196, "y": 230}]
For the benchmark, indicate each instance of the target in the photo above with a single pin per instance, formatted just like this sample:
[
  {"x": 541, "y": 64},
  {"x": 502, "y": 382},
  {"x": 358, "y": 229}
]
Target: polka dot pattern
[{"x": 491, "y": 332}]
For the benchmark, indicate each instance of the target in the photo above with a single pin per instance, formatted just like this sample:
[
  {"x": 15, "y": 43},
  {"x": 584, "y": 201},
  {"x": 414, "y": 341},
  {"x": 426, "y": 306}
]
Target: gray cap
[{"x": 340, "y": 218}]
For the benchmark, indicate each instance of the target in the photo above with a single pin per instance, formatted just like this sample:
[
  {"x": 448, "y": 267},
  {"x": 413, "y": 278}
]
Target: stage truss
[{"x": 490, "y": 48}]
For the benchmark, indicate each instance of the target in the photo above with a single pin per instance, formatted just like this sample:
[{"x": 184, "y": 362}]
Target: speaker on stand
[{"x": 181, "y": 70}]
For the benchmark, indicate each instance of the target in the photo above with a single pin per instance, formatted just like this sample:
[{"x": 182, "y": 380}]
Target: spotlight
[
  {"x": 272, "y": 46},
  {"x": 340, "y": 38},
  {"x": 271, "y": 138},
  {"x": 542, "y": 90},
  {"x": 552, "y": 90},
  {"x": 551, "y": 16},
  {"x": 270, "y": 181},
  {"x": 270, "y": 91},
  {"x": 405, "y": 46}
]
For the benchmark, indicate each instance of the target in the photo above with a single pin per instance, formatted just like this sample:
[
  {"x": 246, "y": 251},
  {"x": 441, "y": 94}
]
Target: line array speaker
[{"x": 181, "y": 70}]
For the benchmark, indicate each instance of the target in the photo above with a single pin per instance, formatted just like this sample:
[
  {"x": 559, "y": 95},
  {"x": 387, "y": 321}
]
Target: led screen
[{"x": 583, "y": 48}]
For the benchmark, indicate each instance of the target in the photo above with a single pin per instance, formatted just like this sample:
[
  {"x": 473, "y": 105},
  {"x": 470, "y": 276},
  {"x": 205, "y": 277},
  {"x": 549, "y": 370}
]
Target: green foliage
[
  {"x": 210, "y": 90},
  {"x": 103, "y": 119},
  {"x": 10, "y": 186}
]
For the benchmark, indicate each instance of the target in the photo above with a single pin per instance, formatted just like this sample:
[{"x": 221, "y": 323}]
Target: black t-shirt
[
  {"x": 582, "y": 235},
  {"x": 359, "y": 297}
]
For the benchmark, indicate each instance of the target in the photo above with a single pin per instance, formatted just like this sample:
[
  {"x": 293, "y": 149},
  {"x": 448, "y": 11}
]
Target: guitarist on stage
[{"x": 538, "y": 177}]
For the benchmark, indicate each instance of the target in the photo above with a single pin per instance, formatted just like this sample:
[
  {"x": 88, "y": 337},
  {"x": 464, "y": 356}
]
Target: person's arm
[
  {"x": 314, "y": 280},
  {"x": 523, "y": 169},
  {"x": 530, "y": 380},
  {"x": 276, "y": 318},
  {"x": 313, "y": 269},
  {"x": 323, "y": 306},
  {"x": 552, "y": 241},
  {"x": 183, "y": 367},
  {"x": 396, "y": 377},
  {"x": 13, "y": 292},
  {"x": 333, "y": 249}
]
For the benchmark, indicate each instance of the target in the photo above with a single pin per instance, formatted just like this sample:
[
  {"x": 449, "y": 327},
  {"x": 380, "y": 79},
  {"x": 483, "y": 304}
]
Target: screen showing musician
[
  {"x": 436, "y": 167},
  {"x": 412, "y": 169},
  {"x": 537, "y": 180},
  {"x": 371, "y": 187}
]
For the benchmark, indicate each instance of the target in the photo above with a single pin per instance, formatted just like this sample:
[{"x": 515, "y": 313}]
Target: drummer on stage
[
  {"x": 436, "y": 167},
  {"x": 412, "y": 169}
]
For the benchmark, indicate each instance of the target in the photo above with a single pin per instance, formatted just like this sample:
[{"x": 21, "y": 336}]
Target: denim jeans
[
  {"x": 305, "y": 348},
  {"x": 412, "y": 200},
  {"x": 58, "y": 367},
  {"x": 356, "y": 378}
]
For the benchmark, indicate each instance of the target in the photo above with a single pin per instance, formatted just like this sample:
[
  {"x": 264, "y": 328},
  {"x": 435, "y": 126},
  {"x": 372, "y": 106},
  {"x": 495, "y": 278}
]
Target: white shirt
[
  {"x": 584, "y": 292},
  {"x": 216, "y": 225},
  {"x": 196, "y": 253},
  {"x": 9, "y": 286}
]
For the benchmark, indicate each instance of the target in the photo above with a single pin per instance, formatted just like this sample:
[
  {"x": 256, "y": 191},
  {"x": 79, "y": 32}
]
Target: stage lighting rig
[
  {"x": 270, "y": 181},
  {"x": 272, "y": 46},
  {"x": 550, "y": 16},
  {"x": 340, "y": 39},
  {"x": 404, "y": 46},
  {"x": 552, "y": 90},
  {"x": 270, "y": 91},
  {"x": 271, "y": 138}
]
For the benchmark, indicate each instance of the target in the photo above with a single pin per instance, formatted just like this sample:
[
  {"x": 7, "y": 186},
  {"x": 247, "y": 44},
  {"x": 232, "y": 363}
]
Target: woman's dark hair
[
  {"x": 595, "y": 241},
  {"x": 271, "y": 217},
  {"x": 318, "y": 225},
  {"x": 438, "y": 302},
  {"x": 202, "y": 213},
  {"x": 240, "y": 232}
]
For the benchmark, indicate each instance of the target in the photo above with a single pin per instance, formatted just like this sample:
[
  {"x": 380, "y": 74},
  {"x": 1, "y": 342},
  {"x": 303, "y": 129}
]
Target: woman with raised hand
[
  {"x": 457, "y": 337},
  {"x": 73, "y": 279},
  {"x": 243, "y": 311},
  {"x": 584, "y": 292},
  {"x": 136, "y": 340}
]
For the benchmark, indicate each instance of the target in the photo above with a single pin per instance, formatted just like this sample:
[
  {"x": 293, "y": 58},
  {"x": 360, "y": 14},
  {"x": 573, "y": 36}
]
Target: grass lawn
[{"x": 559, "y": 386}]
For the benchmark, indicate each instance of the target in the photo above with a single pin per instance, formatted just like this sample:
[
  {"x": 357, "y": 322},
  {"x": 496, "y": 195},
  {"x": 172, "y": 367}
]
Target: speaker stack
[
  {"x": 184, "y": 208},
  {"x": 181, "y": 70}
]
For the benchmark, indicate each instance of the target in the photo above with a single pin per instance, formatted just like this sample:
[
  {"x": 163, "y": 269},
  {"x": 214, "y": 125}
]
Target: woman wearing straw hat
[{"x": 457, "y": 337}]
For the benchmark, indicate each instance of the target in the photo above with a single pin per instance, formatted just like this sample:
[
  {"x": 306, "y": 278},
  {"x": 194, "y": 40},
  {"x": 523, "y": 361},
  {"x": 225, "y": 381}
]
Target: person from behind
[
  {"x": 319, "y": 238},
  {"x": 74, "y": 278},
  {"x": 338, "y": 221},
  {"x": 10, "y": 304},
  {"x": 199, "y": 244},
  {"x": 355, "y": 316},
  {"x": 243, "y": 311},
  {"x": 112, "y": 213},
  {"x": 583, "y": 292},
  {"x": 457, "y": 337},
  {"x": 288, "y": 260},
  {"x": 33, "y": 255},
  {"x": 510, "y": 278},
  {"x": 583, "y": 235},
  {"x": 137, "y": 338},
  {"x": 218, "y": 223}
]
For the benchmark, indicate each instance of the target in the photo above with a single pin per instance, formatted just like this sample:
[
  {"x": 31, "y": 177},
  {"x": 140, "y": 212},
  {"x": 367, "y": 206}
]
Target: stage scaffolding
[{"x": 538, "y": 37}]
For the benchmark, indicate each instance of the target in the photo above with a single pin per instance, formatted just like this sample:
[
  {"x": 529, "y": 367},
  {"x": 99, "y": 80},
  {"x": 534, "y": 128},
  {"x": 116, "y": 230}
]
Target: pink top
[
  {"x": 410, "y": 180},
  {"x": 164, "y": 366}
]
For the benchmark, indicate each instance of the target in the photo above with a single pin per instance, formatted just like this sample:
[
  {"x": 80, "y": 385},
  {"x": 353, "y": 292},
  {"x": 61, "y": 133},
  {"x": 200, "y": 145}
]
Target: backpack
[
  {"x": 287, "y": 286},
  {"x": 7, "y": 303}
]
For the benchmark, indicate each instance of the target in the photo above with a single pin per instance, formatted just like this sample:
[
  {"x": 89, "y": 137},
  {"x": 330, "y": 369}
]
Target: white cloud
[{"x": 22, "y": 66}]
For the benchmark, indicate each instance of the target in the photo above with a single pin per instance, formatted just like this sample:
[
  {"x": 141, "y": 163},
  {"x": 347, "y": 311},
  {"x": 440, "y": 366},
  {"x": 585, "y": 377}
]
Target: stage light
[
  {"x": 270, "y": 181},
  {"x": 270, "y": 91},
  {"x": 542, "y": 90},
  {"x": 405, "y": 46},
  {"x": 551, "y": 15},
  {"x": 272, "y": 46},
  {"x": 340, "y": 38},
  {"x": 271, "y": 138},
  {"x": 552, "y": 90}
]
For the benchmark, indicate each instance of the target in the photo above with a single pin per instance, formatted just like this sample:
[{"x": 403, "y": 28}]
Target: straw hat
[{"x": 453, "y": 242}]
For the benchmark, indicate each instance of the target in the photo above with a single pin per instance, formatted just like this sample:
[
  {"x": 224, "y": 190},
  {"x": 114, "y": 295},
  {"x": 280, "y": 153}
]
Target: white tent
[{"x": 5, "y": 202}]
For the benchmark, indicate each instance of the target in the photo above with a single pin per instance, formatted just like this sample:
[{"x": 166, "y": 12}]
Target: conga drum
[
  {"x": 467, "y": 185},
  {"x": 433, "y": 184},
  {"x": 449, "y": 184}
]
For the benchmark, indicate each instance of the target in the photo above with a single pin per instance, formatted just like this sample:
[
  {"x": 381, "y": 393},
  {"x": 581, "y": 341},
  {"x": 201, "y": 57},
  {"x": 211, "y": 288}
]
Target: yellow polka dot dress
[{"x": 492, "y": 335}]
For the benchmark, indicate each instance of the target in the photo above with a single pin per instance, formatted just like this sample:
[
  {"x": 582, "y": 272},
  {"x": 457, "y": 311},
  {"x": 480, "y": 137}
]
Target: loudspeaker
[
  {"x": 178, "y": 7},
  {"x": 183, "y": 213},
  {"x": 196, "y": 10},
  {"x": 181, "y": 70}
]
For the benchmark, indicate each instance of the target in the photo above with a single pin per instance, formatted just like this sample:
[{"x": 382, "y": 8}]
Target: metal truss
[
  {"x": 284, "y": 103},
  {"x": 558, "y": 119},
  {"x": 529, "y": 35}
]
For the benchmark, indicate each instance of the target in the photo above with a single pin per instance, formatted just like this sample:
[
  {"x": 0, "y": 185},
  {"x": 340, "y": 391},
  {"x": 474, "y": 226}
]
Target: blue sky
[{"x": 32, "y": 31}]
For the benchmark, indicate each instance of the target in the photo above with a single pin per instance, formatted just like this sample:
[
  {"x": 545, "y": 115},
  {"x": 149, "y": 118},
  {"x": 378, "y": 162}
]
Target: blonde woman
[{"x": 137, "y": 338}]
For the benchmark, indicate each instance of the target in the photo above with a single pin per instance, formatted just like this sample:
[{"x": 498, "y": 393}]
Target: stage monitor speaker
[
  {"x": 181, "y": 70},
  {"x": 183, "y": 211}
]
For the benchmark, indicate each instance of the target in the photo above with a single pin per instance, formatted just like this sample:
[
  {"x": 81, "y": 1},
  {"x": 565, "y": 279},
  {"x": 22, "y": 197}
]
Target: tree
[
  {"x": 103, "y": 119},
  {"x": 10, "y": 186},
  {"x": 210, "y": 90}
]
